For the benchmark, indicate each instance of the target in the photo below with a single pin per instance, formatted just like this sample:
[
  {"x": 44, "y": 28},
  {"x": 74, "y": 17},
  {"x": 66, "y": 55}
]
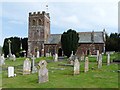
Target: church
[{"x": 42, "y": 41}]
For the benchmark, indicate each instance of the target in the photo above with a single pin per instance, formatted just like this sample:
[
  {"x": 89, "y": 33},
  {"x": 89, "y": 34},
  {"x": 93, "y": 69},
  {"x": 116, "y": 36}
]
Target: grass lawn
[{"x": 106, "y": 77}]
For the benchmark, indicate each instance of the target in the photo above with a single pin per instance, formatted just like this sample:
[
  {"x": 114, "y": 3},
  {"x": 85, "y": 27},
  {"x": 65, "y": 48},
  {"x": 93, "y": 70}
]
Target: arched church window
[
  {"x": 34, "y": 22},
  {"x": 40, "y": 22}
]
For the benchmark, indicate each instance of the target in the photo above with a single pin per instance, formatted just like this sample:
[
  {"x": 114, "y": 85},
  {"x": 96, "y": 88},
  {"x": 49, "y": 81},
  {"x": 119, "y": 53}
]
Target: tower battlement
[{"x": 38, "y": 13}]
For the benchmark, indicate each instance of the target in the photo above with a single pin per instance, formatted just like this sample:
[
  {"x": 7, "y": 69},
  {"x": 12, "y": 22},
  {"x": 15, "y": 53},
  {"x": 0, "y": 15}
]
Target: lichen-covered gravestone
[
  {"x": 76, "y": 67},
  {"x": 108, "y": 59},
  {"x": 86, "y": 64},
  {"x": 100, "y": 61},
  {"x": 43, "y": 72},
  {"x": 26, "y": 67}
]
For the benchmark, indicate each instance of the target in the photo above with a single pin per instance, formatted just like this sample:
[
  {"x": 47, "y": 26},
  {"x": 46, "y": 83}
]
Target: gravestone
[
  {"x": 2, "y": 60},
  {"x": 56, "y": 57},
  {"x": 34, "y": 69},
  {"x": 26, "y": 67},
  {"x": 38, "y": 54},
  {"x": 100, "y": 61},
  {"x": 43, "y": 72},
  {"x": 42, "y": 52},
  {"x": 97, "y": 55},
  {"x": 76, "y": 67},
  {"x": 108, "y": 59},
  {"x": 86, "y": 64},
  {"x": 14, "y": 57},
  {"x": 82, "y": 56},
  {"x": 11, "y": 71},
  {"x": 71, "y": 56},
  {"x": 47, "y": 55}
]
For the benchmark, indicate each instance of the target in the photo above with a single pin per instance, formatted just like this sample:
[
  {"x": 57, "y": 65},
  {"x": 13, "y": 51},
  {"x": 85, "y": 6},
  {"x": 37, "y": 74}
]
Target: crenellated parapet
[{"x": 38, "y": 14}]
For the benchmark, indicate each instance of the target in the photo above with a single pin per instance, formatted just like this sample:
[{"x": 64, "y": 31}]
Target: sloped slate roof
[
  {"x": 54, "y": 39},
  {"x": 85, "y": 37}
]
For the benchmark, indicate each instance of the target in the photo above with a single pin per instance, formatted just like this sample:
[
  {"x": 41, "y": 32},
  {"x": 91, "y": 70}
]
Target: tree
[
  {"x": 113, "y": 42},
  {"x": 0, "y": 50},
  {"x": 24, "y": 43},
  {"x": 69, "y": 42},
  {"x": 15, "y": 46}
]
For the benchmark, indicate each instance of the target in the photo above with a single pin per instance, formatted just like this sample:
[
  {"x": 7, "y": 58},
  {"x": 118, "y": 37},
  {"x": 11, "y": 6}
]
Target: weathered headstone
[
  {"x": 47, "y": 55},
  {"x": 26, "y": 67},
  {"x": 34, "y": 69},
  {"x": 97, "y": 55},
  {"x": 10, "y": 71},
  {"x": 108, "y": 59},
  {"x": 86, "y": 64},
  {"x": 43, "y": 72},
  {"x": 13, "y": 57},
  {"x": 56, "y": 57},
  {"x": 2, "y": 60},
  {"x": 76, "y": 67},
  {"x": 38, "y": 54},
  {"x": 100, "y": 61}
]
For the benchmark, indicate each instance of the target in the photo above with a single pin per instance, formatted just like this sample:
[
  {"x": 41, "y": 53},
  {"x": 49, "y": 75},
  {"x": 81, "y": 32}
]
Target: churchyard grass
[{"x": 62, "y": 76}]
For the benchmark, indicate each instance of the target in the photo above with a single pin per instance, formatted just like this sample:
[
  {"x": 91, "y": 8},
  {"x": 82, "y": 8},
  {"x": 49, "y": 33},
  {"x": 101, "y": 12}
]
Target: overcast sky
[{"x": 82, "y": 16}]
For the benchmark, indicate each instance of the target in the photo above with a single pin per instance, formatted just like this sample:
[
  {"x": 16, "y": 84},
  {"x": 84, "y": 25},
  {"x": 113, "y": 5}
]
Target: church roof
[
  {"x": 84, "y": 37},
  {"x": 54, "y": 39},
  {"x": 89, "y": 37}
]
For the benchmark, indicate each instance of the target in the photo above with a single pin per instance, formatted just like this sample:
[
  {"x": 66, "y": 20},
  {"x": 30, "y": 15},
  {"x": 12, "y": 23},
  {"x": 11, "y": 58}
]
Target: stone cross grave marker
[
  {"x": 43, "y": 72},
  {"x": 108, "y": 59},
  {"x": 34, "y": 69},
  {"x": 9, "y": 42},
  {"x": 100, "y": 61},
  {"x": 76, "y": 67},
  {"x": 56, "y": 57},
  {"x": 11, "y": 71},
  {"x": 26, "y": 66},
  {"x": 86, "y": 64}
]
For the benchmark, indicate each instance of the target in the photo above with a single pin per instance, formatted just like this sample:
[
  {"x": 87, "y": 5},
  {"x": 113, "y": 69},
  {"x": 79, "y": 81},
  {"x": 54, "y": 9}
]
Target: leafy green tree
[{"x": 69, "y": 42}]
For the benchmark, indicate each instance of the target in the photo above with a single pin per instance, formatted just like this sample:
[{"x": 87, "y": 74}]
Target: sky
[{"x": 79, "y": 15}]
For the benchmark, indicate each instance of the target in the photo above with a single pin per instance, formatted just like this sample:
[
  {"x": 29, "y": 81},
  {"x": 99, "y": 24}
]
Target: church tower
[{"x": 38, "y": 31}]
